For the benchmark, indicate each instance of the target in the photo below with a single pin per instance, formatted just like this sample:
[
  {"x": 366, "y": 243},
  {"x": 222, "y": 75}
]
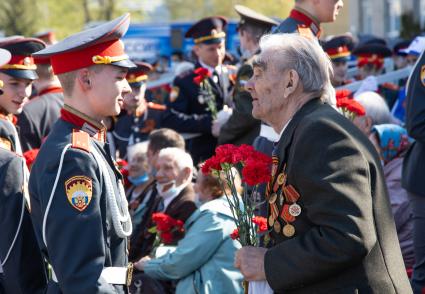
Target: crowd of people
[{"x": 100, "y": 183}]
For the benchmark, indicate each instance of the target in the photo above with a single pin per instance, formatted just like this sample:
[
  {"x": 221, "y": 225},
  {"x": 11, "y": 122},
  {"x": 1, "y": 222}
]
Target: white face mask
[{"x": 172, "y": 191}]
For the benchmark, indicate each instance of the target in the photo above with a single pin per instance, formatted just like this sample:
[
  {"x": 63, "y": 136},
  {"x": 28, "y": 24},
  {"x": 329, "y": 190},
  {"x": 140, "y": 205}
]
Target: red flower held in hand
[
  {"x": 356, "y": 108},
  {"x": 166, "y": 225},
  {"x": 202, "y": 71},
  {"x": 256, "y": 172},
  {"x": 261, "y": 222}
]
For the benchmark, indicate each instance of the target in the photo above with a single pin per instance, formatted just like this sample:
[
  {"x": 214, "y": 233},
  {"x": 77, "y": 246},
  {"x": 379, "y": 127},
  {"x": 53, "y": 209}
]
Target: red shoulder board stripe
[
  {"x": 156, "y": 106},
  {"x": 80, "y": 140}
]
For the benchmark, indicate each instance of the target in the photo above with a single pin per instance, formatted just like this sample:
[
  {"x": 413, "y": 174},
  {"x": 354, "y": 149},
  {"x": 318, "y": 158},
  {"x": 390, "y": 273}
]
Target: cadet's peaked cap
[
  {"x": 398, "y": 48},
  {"x": 209, "y": 30},
  {"x": 252, "y": 17},
  {"x": 98, "y": 45},
  {"x": 372, "y": 49},
  {"x": 21, "y": 65},
  {"x": 139, "y": 74},
  {"x": 339, "y": 48},
  {"x": 4, "y": 58}
]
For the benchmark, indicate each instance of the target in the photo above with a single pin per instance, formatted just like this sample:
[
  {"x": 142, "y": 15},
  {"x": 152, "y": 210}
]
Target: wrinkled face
[
  {"x": 340, "y": 69},
  {"x": 168, "y": 170},
  {"x": 211, "y": 54},
  {"x": 108, "y": 86},
  {"x": 137, "y": 165},
  {"x": 266, "y": 88},
  {"x": 327, "y": 10},
  {"x": 16, "y": 92},
  {"x": 135, "y": 99}
]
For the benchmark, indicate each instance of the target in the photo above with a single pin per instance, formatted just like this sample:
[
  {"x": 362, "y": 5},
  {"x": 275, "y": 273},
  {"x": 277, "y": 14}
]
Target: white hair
[
  {"x": 181, "y": 157},
  {"x": 139, "y": 148},
  {"x": 305, "y": 56},
  {"x": 376, "y": 108}
]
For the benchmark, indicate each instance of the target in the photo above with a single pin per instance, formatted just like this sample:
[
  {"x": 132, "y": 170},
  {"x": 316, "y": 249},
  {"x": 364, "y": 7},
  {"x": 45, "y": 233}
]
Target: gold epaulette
[
  {"x": 156, "y": 106},
  {"x": 80, "y": 140}
]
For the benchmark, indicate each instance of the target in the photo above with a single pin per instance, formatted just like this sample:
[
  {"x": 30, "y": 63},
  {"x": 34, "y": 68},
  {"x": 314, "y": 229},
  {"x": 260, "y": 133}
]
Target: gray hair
[
  {"x": 138, "y": 148},
  {"x": 376, "y": 108},
  {"x": 305, "y": 56},
  {"x": 181, "y": 157}
]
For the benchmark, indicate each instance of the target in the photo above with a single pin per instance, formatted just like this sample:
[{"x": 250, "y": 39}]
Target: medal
[
  {"x": 286, "y": 215},
  {"x": 273, "y": 198},
  {"x": 295, "y": 210},
  {"x": 277, "y": 227},
  {"x": 288, "y": 230},
  {"x": 281, "y": 179},
  {"x": 291, "y": 194},
  {"x": 271, "y": 221}
]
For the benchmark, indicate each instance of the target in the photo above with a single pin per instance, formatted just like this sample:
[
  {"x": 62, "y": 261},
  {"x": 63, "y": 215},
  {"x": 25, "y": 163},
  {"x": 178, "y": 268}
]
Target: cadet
[
  {"x": 79, "y": 206},
  {"x": 21, "y": 264},
  {"x": 17, "y": 76},
  {"x": 140, "y": 117},
  {"x": 192, "y": 104},
  {"x": 39, "y": 115},
  {"x": 242, "y": 128},
  {"x": 339, "y": 51}
]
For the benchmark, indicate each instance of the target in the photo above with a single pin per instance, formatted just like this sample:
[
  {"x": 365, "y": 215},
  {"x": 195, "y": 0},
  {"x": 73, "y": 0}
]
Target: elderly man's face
[
  {"x": 266, "y": 88},
  {"x": 168, "y": 170},
  {"x": 340, "y": 69}
]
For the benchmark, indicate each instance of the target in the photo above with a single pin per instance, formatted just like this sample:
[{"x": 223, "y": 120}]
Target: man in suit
[
  {"x": 242, "y": 128},
  {"x": 79, "y": 209},
  {"x": 330, "y": 222},
  {"x": 414, "y": 168},
  {"x": 196, "y": 105}
]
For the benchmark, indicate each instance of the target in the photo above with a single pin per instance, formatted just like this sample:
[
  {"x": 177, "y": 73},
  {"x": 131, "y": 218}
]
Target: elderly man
[
  {"x": 330, "y": 221},
  {"x": 142, "y": 240}
]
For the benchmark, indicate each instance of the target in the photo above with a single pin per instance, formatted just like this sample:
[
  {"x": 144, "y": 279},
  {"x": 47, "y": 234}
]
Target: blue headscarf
[{"x": 393, "y": 140}]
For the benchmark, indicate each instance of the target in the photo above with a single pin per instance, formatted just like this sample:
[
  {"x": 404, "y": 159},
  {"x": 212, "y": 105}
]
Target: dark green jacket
[
  {"x": 242, "y": 127},
  {"x": 345, "y": 239}
]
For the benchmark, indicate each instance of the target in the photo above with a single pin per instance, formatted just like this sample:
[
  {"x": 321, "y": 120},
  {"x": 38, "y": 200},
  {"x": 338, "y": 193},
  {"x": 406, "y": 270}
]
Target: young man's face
[
  {"x": 327, "y": 10},
  {"x": 136, "y": 98},
  {"x": 108, "y": 88},
  {"x": 16, "y": 92},
  {"x": 211, "y": 54}
]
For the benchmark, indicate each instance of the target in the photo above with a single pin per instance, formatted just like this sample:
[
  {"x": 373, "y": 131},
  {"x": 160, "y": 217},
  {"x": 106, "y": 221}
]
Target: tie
[{"x": 161, "y": 205}]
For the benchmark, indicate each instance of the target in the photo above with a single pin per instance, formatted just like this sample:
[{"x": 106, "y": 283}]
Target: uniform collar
[
  {"x": 307, "y": 19},
  {"x": 83, "y": 122},
  {"x": 50, "y": 90}
]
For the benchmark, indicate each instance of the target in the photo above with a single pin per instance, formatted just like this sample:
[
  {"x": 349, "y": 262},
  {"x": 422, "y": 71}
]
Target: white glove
[
  {"x": 368, "y": 84},
  {"x": 222, "y": 117}
]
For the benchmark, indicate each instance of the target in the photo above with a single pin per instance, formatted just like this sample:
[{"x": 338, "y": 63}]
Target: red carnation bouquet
[
  {"x": 255, "y": 169},
  {"x": 166, "y": 228},
  {"x": 349, "y": 107},
  {"x": 206, "y": 94},
  {"x": 122, "y": 166}
]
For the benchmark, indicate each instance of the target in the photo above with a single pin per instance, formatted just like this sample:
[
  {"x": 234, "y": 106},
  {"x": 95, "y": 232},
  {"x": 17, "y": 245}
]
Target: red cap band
[{"x": 70, "y": 61}]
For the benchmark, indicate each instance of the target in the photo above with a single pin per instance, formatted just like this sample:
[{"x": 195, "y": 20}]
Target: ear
[
  {"x": 83, "y": 78},
  {"x": 292, "y": 82}
]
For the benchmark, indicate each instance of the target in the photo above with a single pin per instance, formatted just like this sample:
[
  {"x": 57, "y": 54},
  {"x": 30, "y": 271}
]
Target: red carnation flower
[
  {"x": 235, "y": 234},
  {"x": 356, "y": 108},
  {"x": 198, "y": 80},
  {"x": 261, "y": 222},
  {"x": 30, "y": 157},
  {"x": 255, "y": 172},
  {"x": 202, "y": 71}
]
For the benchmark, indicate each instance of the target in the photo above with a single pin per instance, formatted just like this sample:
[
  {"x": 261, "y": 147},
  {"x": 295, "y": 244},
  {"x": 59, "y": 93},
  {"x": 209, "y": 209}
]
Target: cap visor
[
  {"x": 213, "y": 41},
  {"x": 21, "y": 73},
  {"x": 127, "y": 63}
]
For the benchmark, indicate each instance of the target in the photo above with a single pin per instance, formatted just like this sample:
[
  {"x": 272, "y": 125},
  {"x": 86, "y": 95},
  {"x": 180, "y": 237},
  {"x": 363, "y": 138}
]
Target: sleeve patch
[{"x": 79, "y": 192}]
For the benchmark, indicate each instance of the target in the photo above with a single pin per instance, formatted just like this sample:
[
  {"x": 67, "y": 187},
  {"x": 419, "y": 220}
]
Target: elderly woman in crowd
[
  {"x": 138, "y": 177},
  {"x": 203, "y": 260},
  {"x": 391, "y": 142},
  {"x": 377, "y": 112}
]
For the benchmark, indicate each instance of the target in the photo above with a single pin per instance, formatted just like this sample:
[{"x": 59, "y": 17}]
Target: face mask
[
  {"x": 136, "y": 181},
  {"x": 172, "y": 191}
]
